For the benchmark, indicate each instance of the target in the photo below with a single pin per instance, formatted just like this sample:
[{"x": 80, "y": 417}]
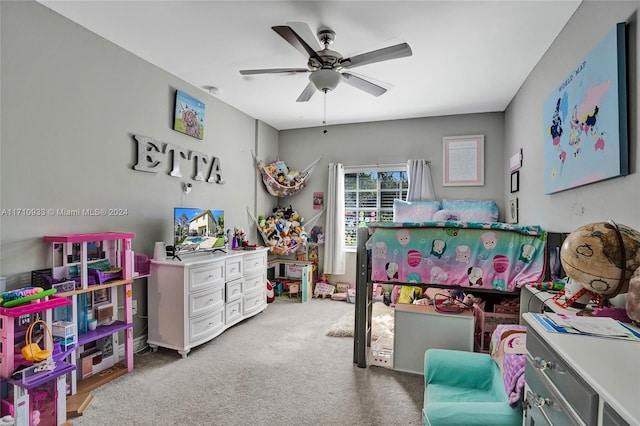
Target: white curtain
[
  {"x": 334, "y": 230},
  {"x": 420, "y": 185}
]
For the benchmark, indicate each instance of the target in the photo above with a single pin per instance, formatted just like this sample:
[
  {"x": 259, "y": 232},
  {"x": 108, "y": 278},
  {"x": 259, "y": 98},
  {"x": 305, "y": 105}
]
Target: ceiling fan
[{"x": 326, "y": 66}]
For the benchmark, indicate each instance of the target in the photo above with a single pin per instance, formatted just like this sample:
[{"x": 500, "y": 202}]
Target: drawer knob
[
  {"x": 536, "y": 400},
  {"x": 541, "y": 364}
]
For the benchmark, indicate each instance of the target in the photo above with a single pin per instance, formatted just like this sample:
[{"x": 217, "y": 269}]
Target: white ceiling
[{"x": 468, "y": 56}]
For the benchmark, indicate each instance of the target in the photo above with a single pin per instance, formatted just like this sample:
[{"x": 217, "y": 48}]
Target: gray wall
[
  {"x": 393, "y": 142},
  {"x": 71, "y": 102},
  {"x": 617, "y": 198}
]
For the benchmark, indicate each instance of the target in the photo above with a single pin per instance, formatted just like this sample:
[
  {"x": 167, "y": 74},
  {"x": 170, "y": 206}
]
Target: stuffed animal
[
  {"x": 270, "y": 169},
  {"x": 280, "y": 168},
  {"x": 457, "y": 294},
  {"x": 469, "y": 300},
  {"x": 292, "y": 177}
]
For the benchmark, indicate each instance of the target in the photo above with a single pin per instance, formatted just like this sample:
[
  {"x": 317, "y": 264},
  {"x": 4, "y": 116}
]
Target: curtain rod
[{"x": 364, "y": 166}]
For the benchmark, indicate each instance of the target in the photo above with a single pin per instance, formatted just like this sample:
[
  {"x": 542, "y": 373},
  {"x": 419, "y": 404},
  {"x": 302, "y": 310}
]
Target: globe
[{"x": 593, "y": 256}]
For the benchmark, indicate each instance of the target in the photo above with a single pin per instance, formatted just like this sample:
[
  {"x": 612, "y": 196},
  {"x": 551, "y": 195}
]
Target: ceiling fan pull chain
[{"x": 324, "y": 120}]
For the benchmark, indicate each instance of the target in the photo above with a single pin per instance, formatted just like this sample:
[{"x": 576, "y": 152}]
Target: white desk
[{"x": 609, "y": 366}]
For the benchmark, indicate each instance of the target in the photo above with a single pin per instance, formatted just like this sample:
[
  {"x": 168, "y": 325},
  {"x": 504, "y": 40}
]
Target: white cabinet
[
  {"x": 578, "y": 379},
  {"x": 193, "y": 300}
]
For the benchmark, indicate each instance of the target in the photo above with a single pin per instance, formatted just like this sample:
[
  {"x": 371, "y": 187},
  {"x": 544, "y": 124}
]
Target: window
[{"x": 369, "y": 195}]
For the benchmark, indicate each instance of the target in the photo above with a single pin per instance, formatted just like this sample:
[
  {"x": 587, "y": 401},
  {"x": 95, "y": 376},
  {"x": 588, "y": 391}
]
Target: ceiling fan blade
[
  {"x": 304, "y": 31},
  {"x": 392, "y": 52},
  {"x": 274, "y": 71},
  {"x": 362, "y": 84},
  {"x": 296, "y": 41},
  {"x": 307, "y": 93}
]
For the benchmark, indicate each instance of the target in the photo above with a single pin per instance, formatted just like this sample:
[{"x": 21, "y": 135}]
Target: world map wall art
[{"x": 585, "y": 119}]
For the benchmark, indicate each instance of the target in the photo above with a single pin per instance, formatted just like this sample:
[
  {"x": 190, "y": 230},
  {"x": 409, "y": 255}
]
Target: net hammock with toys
[
  {"x": 282, "y": 230},
  {"x": 282, "y": 181}
]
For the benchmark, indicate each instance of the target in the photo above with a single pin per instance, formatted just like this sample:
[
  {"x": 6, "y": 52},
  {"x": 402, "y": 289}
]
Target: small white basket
[{"x": 382, "y": 352}]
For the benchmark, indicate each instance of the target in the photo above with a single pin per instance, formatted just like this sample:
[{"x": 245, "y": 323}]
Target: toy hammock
[
  {"x": 284, "y": 246},
  {"x": 284, "y": 184}
]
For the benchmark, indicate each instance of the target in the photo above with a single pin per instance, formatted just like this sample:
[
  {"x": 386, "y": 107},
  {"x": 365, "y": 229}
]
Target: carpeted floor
[{"x": 277, "y": 368}]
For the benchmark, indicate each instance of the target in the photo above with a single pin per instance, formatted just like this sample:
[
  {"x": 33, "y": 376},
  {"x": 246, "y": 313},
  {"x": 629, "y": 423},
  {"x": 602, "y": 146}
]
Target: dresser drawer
[
  {"x": 544, "y": 404},
  {"x": 205, "y": 326},
  {"x": 206, "y": 276},
  {"x": 578, "y": 394},
  {"x": 234, "y": 290},
  {"x": 206, "y": 301},
  {"x": 234, "y": 268},
  {"x": 234, "y": 311},
  {"x": 255, "y": 262},
  {"x": 611, "y": 418},
  {"x": 254, "y": 300},
  {"x": 254, "y": 281}
]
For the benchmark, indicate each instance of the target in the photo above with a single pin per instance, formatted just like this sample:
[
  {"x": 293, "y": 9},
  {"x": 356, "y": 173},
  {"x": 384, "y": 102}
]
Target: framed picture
[
  {"x": 515, "y": 162},
  {"x": 189, "y": 115},
  {"x": 515, "y": 181},
  {"x": 463, "y": 159},
  {"x": 512, "y": 213},
  {"x": 585, "y": 134},
  {"x": 318, "y": 200}
]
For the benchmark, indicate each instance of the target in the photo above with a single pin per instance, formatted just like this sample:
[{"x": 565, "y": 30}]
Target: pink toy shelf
[
  {"x": 35, "y": 395},
  {"x": 103, "y": 264},
  {"x": 35, "y": 306},
  {"x": 11, "y": 333}
]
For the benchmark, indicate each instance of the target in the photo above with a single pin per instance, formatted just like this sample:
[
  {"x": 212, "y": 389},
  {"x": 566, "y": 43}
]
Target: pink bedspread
[{"x": 491, "y": 255}]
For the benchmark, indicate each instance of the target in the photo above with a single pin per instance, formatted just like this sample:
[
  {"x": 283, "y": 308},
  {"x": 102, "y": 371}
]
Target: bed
[
  {"x": 494, "y": 256},
  {"x": 462, "y": 248}
]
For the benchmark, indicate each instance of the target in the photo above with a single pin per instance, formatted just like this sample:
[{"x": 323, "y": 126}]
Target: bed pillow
[
  {"x": 414, "y": 211},
  {"x": 446, "y": 215},
  {"x": 473, "y": 210}
]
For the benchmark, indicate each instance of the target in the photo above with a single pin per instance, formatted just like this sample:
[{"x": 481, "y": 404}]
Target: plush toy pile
[
  {"x": 280, "y": 181},
  {"x": 280, "y": 171},
  {"x": 282, "y": 230}
]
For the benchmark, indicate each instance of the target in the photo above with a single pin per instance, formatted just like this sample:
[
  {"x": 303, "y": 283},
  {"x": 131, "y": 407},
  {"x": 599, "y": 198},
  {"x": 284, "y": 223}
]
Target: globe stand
[{"x": 572, "y": 300}]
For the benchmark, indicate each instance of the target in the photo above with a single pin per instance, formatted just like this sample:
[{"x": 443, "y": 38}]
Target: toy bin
[
  {"x": 382, "y": 352},
  {"x": 142, "y": 264},
  {"x": 507, "y": 307}
]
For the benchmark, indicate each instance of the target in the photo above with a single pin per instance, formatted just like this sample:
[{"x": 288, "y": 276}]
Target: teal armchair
[{"x": 465, "y": 389}]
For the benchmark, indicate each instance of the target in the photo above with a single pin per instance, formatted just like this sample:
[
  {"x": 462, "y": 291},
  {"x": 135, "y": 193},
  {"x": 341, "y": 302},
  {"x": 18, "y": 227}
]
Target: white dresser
[
  {"x": 194, "y": 300},
  {"x": 575, "y": 379}
]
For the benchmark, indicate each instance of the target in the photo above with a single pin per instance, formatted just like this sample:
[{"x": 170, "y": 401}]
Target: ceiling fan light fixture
[{"x": 325, "y": 79}]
